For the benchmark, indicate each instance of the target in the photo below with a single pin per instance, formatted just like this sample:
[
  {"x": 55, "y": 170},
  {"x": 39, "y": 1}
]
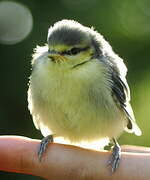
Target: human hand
[{"x": 19, "y": 154}]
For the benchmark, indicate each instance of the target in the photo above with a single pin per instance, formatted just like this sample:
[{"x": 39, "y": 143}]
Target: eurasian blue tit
[{"x": 78, "y": 89}]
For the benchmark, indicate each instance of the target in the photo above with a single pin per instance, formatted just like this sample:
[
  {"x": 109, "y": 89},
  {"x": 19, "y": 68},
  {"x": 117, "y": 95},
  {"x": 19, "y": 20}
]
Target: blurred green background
[{"x": 24, "y": 24}]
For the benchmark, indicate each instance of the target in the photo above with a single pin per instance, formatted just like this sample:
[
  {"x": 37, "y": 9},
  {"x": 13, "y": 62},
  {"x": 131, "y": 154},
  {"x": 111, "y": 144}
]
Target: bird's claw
[
  {"x": 43, "y": 145},
  {"x": 115, "y": 157}
]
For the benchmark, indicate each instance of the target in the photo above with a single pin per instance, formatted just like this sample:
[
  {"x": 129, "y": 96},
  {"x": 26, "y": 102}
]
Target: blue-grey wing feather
[
  {"x": 120, "y": 90},
  {"x": 121, "y": 95}
]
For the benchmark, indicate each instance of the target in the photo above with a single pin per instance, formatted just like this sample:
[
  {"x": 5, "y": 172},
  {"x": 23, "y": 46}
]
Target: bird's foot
[
  {"x": 115, "y": 157},
  {"x": 43, "y": 145}
]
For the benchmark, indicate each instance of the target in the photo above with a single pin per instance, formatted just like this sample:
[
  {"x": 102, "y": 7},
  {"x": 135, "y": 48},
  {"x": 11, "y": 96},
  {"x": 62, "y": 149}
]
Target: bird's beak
[{"x": 56, "y": 57}]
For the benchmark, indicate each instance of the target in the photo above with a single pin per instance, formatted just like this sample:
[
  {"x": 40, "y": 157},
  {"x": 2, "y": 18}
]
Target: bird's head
[{"x": 72, "y": 43}]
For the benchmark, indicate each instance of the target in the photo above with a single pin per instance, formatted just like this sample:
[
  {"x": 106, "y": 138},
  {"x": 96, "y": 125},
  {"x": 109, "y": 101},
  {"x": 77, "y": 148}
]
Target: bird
[{"x": 78, "y": 89}]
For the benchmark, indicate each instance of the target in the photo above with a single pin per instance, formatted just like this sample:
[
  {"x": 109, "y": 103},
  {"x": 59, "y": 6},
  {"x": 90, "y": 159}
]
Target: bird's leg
[
  {"x": 43, "y": 145},
  {"x": 116, "y": 156}
]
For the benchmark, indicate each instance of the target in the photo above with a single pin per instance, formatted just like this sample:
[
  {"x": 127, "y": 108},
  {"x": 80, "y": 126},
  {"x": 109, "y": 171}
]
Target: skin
[{"x": 19, "y": 154}]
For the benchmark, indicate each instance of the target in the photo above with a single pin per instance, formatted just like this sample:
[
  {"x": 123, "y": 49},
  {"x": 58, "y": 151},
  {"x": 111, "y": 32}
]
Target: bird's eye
[{"x": 75, "y": 51}]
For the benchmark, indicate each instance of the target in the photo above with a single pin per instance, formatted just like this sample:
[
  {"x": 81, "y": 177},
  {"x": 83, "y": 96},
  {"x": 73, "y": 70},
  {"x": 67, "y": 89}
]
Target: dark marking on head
[
  {"x": 74, "y": 51},
  {"x": 98, "y": 51},
  {"x": 67, "y": 32},
  {"x": 71, "y": 33}
]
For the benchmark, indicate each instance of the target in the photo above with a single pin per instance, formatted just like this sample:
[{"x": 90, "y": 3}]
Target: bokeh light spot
[{"x": 16, "y": 22}]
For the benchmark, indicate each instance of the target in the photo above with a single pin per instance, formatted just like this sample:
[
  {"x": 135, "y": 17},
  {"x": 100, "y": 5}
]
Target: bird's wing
[{"x": 121, "y": 95}]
